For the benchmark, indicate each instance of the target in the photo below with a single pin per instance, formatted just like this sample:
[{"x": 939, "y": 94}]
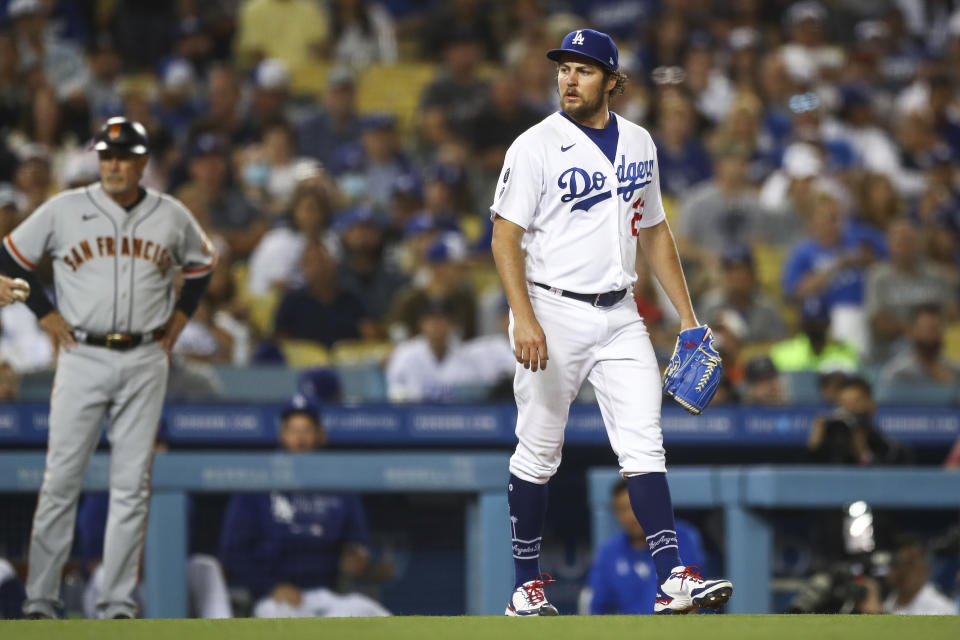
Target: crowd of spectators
[{"x": 809, "y": 155}]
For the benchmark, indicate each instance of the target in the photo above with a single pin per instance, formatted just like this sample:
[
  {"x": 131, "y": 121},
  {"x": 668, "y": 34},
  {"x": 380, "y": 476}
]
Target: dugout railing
[
  {"x": 481, "y": 477},
  {"x": 748, "y": 496}
]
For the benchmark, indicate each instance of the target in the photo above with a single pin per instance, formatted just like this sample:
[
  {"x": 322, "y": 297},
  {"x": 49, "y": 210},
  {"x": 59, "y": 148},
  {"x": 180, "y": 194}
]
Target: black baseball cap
[{"x": 592, "y": 44}]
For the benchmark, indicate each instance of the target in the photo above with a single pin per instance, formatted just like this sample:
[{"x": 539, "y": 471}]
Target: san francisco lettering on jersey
[{"x": 106, "y": 247}]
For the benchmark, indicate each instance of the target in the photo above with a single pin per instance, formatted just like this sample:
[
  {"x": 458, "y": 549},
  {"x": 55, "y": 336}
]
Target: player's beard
[{"x": 586, "y": 109}]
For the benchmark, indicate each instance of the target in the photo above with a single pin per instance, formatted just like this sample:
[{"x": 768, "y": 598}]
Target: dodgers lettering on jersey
[
  {"x": 112, "y": 267},
  {"x": 582, "y": 213}
]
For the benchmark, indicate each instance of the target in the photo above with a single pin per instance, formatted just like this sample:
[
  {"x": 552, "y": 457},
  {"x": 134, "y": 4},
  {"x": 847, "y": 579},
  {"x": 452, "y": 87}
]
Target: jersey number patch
[{"x": 637, "y": 216}]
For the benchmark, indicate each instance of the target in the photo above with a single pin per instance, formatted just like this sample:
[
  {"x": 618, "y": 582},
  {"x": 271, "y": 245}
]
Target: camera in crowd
[{"x": 842, "y": 587}]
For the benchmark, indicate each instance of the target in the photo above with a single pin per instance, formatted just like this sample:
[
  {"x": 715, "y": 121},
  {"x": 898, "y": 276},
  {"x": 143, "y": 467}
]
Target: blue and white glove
[{"x": 694, "y": 371}]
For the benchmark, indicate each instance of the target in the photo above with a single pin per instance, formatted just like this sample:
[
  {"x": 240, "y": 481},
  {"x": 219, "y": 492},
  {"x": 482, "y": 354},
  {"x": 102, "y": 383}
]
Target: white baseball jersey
[
  {"x": 112, "y": 268},
  {"x": 576, "y": 206}
]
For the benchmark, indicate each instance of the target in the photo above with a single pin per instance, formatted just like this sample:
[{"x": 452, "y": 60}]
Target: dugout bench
[
  {"x": 745, "y": 494},
  {"x": 483, "y": 476}
]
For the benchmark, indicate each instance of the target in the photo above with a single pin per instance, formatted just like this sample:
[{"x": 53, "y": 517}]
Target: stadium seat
[
  {"x": 362, "y": 382},
  {"x": 35, "y": 386},
  {"x": 484, "y": 277},
  {"x": 301, "y": 354},
  {"x": 360, "y": 352},
  {"x": 756, "y": 350},
  {"x": 257, "y": 384},
  {"x": 262, "y": 308},
  {"x": 802, "y": 387},
  {"x": 309, "y": 79},
  {"x": 951, "y": 342},
  {"x": 394, "y": 88},
  {"x": 918, "y": 395},
  {"x": 468, "y": 393},
  {"x": 769, "y": 262}
]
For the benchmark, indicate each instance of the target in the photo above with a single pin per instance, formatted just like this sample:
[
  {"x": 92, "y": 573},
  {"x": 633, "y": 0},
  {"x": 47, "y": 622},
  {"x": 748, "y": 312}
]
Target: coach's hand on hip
[
  {"x": 529, "y": 343},
  {"x": 172, "y": 331},
  {"x": 58, "y": 330}
]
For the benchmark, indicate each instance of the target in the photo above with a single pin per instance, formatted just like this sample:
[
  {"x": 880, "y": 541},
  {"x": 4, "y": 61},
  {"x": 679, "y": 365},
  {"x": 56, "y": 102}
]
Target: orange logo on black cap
[{"x": 114, "y": 131}]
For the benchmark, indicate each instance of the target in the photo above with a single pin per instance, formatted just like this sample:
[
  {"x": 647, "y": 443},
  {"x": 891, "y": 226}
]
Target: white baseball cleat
[
  {"x": 529, "y": 600},
  {"x": 685, "y": 591}
]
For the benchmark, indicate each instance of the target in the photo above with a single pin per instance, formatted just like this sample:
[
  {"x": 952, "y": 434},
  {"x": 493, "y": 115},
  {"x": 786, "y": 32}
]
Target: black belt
[
  {"x": 607, "y": 299},
  {"x": 118, "y": 341}
]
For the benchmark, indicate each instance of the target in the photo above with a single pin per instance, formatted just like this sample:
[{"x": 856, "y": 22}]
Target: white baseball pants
[{"x": 611, "y": 348}]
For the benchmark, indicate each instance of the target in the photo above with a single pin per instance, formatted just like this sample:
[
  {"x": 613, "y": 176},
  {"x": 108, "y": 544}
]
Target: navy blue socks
[
  {"x": 650, "y": 499},
  {"x": 528, "y": 509}
]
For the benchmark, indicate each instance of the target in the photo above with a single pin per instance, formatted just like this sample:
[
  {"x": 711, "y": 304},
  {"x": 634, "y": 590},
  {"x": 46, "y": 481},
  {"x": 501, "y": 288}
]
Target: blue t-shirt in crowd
[
  {"x": 680, "y": 171},
  {"x": 302, "y": 316},
  {"x": 293, "y": 537},
  {"x": 847, "y": 287},
  {"x": 623, "y": 579}
]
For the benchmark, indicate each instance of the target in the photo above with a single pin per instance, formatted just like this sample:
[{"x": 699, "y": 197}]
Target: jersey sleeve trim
[
  {"x": 197, "y": 272},
  {"x": 26, "y": 264}
]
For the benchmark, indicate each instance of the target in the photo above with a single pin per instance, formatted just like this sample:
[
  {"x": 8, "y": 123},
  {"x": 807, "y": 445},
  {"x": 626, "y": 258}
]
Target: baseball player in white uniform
[
  {"x": 577, "y": 192},
  {"x": 114, "y": 245}
]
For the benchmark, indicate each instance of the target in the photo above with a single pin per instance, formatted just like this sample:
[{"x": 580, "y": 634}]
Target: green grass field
[{"x": 726, "y": 627}]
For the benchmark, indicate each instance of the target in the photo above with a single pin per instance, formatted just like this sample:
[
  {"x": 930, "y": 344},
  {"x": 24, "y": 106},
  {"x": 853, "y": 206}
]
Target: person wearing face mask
[{"x": 923, "y": 362}]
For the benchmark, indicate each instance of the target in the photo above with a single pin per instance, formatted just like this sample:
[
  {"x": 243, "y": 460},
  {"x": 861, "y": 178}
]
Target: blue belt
[{"x": 607, "y": 299}]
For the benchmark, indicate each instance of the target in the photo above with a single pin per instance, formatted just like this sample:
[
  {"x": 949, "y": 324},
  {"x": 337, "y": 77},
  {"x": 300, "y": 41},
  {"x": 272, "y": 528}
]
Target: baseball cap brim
[{"x": 556, "y": 54}]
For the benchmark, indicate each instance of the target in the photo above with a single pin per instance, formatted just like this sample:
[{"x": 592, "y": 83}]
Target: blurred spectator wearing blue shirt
[
  {"x": 366, "y": 171},
  {"x": 831, "y": 265},
  {"x": 623, "y": 579},
  {"x": 321, "y": 310},
  {"x": 683, "y": 159},
  {"x": 336, "y": 125},
  {"x": 291, "y": 548}
]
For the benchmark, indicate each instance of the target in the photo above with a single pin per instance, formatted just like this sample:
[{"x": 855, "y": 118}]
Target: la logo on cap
[
  {"x": 114, "y": 131},
  {"x": 577, "y": 39}
]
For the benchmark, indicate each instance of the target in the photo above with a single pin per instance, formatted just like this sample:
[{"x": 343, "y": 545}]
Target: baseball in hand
[{"x": 21, "y": 290}]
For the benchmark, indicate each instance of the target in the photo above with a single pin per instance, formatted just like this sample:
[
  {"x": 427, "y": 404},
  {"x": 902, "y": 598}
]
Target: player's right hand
[
  {"x": 58, "y": 330},
  {"x": 530, "y": 344}
]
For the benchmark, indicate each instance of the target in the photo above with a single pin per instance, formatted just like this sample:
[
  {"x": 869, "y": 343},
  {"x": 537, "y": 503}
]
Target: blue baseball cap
[
  {"x": 361, "y": 214},
  {"x": 320, "y": 383},
  {"x": 300, "y": 403},
  {"x": 592, "y": 44}
]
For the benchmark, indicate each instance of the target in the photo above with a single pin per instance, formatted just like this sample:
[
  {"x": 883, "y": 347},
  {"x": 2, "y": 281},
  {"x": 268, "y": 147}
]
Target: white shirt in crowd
[
  {"x": 414, "y": 373},
  {"x": 929, "y": 602},
  {"x": 23, "y": 343}
]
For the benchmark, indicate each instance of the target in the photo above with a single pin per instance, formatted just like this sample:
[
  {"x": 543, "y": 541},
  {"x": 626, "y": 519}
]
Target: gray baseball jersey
[
  {"x": 113, "y": 274},
  {"x": 112, "y": 269}
]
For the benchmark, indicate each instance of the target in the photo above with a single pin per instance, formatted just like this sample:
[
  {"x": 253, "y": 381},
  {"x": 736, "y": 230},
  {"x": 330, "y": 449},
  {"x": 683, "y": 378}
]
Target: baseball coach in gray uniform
[{"x": 114, "y": 246}]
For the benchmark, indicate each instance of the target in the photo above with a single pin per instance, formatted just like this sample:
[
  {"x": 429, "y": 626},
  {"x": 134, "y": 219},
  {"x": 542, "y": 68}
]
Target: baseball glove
[{"x": 694, "y": 371}]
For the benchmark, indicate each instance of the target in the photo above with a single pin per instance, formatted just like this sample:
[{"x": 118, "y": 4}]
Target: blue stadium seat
[
  {"x": 802, "y": 387},
  {"x": 362, "y": 382},
  {"x": 257, "y": 384},
  {"x": 918, "y": 395},
  {"x": 35, "y": 386}
]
